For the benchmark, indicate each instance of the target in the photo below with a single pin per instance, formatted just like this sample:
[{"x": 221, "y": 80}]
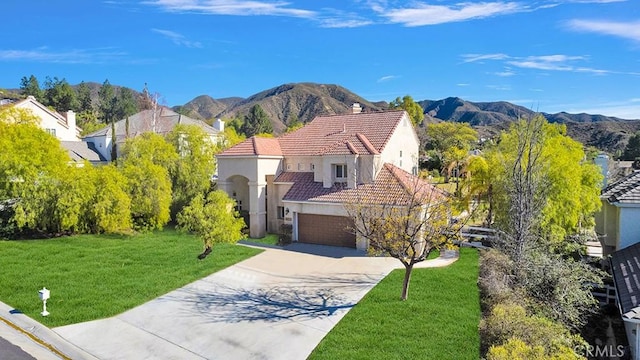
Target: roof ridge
[
  {"x": 367, "y": 144},
  {"x": 352, "y": 148}
]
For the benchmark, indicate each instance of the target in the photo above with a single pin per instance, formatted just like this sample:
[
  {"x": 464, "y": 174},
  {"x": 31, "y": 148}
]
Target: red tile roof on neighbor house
[
  {"x": 255, "y": 146},
  {"x": 392, "y": 186},
  {"x": 364, "y": 133}
]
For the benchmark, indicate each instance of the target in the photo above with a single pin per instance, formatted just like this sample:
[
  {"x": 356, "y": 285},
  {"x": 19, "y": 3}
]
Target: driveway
[{"x": 276, "y": 305}]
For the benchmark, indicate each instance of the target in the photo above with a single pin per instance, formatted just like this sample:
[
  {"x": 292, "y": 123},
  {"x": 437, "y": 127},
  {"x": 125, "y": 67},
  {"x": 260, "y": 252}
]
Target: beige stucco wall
[
  {"x": 48, "y": 121},
  {"x": 403, "y": 139},
  {"x": 255, "y": 169}
]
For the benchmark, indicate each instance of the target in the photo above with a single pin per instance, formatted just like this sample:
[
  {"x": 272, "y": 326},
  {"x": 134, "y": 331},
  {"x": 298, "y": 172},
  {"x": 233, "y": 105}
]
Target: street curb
[{"x": 42, "y": 334}]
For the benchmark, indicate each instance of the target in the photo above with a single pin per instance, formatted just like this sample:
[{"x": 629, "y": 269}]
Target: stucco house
[
  {"x": 160, "y": 121},
  {"x": 304, "y": 178},
  {"x": 617, "y": 222},
  {"x": 62, "y": 126}
]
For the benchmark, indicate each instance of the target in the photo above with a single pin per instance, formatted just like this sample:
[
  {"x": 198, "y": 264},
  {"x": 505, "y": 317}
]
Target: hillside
[
  {"x": 304, "y": 101},
  {"x": 283, "y": 104}
]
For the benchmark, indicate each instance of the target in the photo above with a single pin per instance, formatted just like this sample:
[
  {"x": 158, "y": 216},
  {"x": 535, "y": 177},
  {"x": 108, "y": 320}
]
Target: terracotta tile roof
[
  {"x": 254, "y": 146},
  {"x": 392, "y": 186},
  {"x": 364, "y": 133},
  {"x": 625, "y": 190}
]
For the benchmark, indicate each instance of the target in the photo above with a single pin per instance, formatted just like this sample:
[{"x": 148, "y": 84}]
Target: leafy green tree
[
  {"x": 110, "y": 210},
  {"x": 84, "y": 98},
  {"x": 256, "y": 122},
  {"x": 107, "y": 103},
  {"x": 213, "y": 218},
  {"x": 406, "y": 227},
  {"x": 195, "y": 165},
  {"x": 452, "y": 142},
  {"x": 125, "y": 104},
  {"x": 410, "y": 106},
  {"x": 632, "y": 149},
  {"x": 146, "y": 163},
  {"x": 31, "y": 87},
  {"x": 231, "y": 137},
  {"x": 540, "y": 176},
  {"x": 60, "y": 95}
]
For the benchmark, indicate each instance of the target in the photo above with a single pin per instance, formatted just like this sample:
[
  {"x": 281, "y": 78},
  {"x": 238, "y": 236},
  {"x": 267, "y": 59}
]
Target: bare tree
[{"x": 402, "y": 216}]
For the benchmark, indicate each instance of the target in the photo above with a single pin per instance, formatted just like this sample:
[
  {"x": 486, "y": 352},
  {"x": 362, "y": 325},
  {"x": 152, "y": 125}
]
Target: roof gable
[
  {"x": 364, "y": 133},
  {"x": 254, "y": 146}
]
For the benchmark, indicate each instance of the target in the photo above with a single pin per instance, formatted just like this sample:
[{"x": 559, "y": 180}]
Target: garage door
[{"x": 325, "y": 230}]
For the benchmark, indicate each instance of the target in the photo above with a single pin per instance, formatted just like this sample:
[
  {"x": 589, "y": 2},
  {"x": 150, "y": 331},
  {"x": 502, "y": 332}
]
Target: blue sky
[{"x": 548, "y": 55}]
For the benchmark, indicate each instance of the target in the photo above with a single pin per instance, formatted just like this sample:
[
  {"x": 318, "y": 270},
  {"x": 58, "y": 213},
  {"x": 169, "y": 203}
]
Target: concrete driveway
[{"x": 276, "y": 305}]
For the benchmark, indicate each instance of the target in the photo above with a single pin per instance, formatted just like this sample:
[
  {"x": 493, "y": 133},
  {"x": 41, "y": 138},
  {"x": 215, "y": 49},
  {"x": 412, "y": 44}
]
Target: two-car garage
[{"x": 326, "y": 230}]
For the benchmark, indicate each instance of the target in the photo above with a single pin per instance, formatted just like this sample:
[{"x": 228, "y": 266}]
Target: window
[
  {"x": 312, "y": 167},
  {"x": 280, "y": 212},
  {"x": 341, "y": 171},
  {"x": 400, "y": 153},
  {"x": 288, "y": 166},
  {"x": 400, "y": 162},
  {"x": 51, "y": 131},
  {"x": 300, "y": 166}
]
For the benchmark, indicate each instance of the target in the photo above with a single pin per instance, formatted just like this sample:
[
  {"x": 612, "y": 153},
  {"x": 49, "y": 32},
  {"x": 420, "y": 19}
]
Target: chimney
[
  {"x": 218, "y": 125},
  {"x": 356, "y": 108},
  {"x": 70, "y": 116}
]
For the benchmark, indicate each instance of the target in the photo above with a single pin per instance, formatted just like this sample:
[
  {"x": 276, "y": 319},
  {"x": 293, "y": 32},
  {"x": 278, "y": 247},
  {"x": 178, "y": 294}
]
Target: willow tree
[
  {"x": 403, "y": 217},
  {"x": 213, "y": 218}
]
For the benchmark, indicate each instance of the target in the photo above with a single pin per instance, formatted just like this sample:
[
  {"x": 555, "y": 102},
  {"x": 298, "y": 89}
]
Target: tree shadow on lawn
[{"x": 232, "y": 305}]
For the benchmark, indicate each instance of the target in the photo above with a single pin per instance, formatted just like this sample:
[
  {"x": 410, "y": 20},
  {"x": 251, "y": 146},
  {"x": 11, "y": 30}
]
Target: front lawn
[
  {"x": 438, "y": 321},
  {"x": 96, "y": 276}
]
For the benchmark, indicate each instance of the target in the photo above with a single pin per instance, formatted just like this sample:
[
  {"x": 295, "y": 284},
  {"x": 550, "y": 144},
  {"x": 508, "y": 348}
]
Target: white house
[
  {"x": 63, "y": 126},
  {"x": 160, "y": 121},
  {"x": 617, "y": 222},
  {"x": 305, "y": 177}
]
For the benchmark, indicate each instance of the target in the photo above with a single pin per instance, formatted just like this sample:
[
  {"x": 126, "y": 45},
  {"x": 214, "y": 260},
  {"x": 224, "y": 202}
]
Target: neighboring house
[
  {"x": 63, "y": 126},
  {"x": 625, "y": 266},
  {"x": 160, "y": 121},
  {"x": 304, "y": 178},
  {"x": 618, "y": 220}
]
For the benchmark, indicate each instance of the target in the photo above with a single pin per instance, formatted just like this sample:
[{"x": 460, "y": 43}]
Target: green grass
[
  {"x": 438, "y": 321},
  {"x": 269, "y": 239},
  {"x": 96, "y": 276}
]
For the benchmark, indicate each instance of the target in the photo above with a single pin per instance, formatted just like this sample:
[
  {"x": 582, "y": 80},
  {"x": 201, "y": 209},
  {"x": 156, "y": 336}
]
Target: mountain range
[{"x": 304, "y": 101}]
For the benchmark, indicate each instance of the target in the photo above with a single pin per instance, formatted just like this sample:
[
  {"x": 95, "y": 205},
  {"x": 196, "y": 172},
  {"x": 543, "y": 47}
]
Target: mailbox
[{"x": 44, "y": 294}]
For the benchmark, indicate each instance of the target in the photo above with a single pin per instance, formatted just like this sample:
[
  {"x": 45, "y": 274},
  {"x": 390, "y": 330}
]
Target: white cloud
[
  {"x": 74, "y": 56},
  {"x": 232, "y": 7},
  {"x": 463, "y": 84},
  {"x": 344, "y": 23},
  {"x": 480, "y": 57},
  {"x": 627, "y": 30},
  {"x": 177, "y": 39},
  {"x": 506, "y": 73},
  {"x": 422, "y": 14},
  {"x": 387, "y": 78}
]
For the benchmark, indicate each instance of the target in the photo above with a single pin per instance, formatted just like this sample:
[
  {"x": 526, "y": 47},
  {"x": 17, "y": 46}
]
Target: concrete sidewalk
[
  {"x": 276, "y": 305},
  {"x": 36, "y": 339}
]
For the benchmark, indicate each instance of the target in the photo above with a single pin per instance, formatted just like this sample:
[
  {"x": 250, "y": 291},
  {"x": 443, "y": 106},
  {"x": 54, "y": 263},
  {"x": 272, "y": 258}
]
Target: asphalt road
[{"x": 8, "y": 351}]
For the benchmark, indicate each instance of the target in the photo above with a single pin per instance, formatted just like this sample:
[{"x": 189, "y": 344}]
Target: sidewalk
[{"x": 36, "y": 339}]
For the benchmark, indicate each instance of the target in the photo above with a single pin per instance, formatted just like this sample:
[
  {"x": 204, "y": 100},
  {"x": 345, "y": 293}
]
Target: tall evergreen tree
[
  {"x": 84, "y": 97},
  {"x": 125, "y": 104},
  {"x": 60, "y": 95},
  {"x": 106, "y": 103},
  {"x": 30, "y": 87},
  {"x": 256, "y": 122}
]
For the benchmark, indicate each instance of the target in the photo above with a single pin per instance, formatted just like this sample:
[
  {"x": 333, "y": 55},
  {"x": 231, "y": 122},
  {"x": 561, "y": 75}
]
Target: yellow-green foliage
[
  {"x": 516, "y": 349},
  {"x": 571, "y": 184},
  {"x": 214, "y": 219},
  {"x": 195, "y": 165},
  {"x": 110, "y": 209},
  {"x": 508, "y": 322},
  {"x": 146, "y": 159}
]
